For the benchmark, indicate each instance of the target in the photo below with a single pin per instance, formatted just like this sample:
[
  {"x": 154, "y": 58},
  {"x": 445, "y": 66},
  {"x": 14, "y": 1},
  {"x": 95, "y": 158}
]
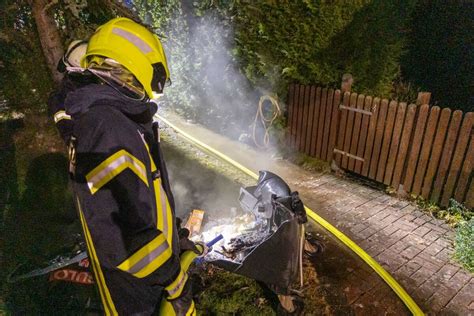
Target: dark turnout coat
[{"x": 124, "y": 200}]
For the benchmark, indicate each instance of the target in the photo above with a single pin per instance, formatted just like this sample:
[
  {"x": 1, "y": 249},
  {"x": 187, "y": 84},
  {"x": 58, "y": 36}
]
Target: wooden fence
[{"x": 418, "y": 149}]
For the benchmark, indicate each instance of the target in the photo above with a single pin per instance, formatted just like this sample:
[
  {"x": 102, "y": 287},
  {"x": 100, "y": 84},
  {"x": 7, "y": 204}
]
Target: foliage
[
  {"x": 228, "y": 293},
  {"x": 441, "y": 46},
  {"x": 306, "y": 162},
  {"x": 24, "y": 78},
  {"x": 464, "y": 251},
  {"x": 453, "y": 214},
  {"x": 315, "y": 42},
  {"x": 219, "y": 50}
]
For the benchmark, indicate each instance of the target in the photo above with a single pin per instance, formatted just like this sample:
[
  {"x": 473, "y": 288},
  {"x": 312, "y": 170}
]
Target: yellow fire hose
[{"x": 396, "y": 287}]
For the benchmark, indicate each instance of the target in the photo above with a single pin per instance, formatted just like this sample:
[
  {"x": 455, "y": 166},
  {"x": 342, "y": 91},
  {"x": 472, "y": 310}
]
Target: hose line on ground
[
  {"x": 266, "y": 123},
  {"x": 396, "y": 287}
]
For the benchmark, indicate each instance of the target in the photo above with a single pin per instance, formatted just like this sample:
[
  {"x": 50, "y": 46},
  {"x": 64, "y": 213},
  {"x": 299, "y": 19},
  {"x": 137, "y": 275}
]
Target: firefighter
[{"x": 121, "y": 187}]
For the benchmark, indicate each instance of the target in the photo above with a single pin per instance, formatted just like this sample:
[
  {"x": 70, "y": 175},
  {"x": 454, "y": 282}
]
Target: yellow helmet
[{"x": 134, "y": 47}]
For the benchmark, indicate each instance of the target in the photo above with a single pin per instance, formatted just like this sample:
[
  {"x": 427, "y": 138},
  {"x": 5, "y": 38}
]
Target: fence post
[
  {"x": 346, "y": 83},
  {"x": 423, "y": 98}
]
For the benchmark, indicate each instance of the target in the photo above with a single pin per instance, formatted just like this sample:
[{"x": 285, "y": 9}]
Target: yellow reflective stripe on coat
[
  {"x": 112, "y": 167},
  {"x": 107, "y": 302},
  {"x": 148, "y": 258},
  {"x": 61, "y": 115},
  {"x": 192, "y": 309},
  {"x": 164, "y": 216},
  {"x": 176, "y": 287}
]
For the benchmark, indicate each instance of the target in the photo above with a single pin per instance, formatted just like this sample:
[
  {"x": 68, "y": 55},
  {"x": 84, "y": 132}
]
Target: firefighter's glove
[
  {"x": 297, "y": 207},
  {"x": 185, "y": 243},
  {"x": 184, "y": 305}
]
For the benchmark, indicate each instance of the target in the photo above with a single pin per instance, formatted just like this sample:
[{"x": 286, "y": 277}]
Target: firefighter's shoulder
[{"x": 101, "y": 128}]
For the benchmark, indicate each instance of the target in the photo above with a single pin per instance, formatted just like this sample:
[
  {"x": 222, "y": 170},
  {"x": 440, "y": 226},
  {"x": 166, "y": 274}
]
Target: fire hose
[
  {"x": 266, "y": 123},
  {"x": 396, "y": 287}
]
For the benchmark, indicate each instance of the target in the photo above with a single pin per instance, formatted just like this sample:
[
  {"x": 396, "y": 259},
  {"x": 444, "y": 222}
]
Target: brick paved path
[{"x": 414, "y": 247}]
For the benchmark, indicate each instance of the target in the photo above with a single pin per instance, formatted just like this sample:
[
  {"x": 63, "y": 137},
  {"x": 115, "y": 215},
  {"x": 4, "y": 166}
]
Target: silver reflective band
[
  {"x": 184, "y": 278},
  {"x": 132, "y": 38},
  {"x": 148, "y": 258},
  {"x": 111, "y": 170},
  {"x": 61, "y": 115}
]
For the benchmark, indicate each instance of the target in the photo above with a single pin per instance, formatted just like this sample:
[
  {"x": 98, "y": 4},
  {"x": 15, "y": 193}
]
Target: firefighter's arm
[
  {"x": 117, "y": 171},
  {"x": 57, "y": 111}
]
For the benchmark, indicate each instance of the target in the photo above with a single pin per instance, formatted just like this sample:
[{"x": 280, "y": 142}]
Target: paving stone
[
  {"x": 391, "y": 259},
  {"x": 421, "y": 231},
  {"x": 441, "y": 298},
  {"x": 422, "y": 275},
  {"x": 358, "y": 228},
  {"x": 446, "y": 254},
  {"x": 407, "y": 226},
  {"x": 426, "y": 264},
  {"x": 398, "y": 247},
  {"x": 425, "y": 290},
  {"x": 461, "y": 277},
  {"x": 433, "y": 260},
  {"x": 408, "y": 269},
  {"x": 414, "y": 240},
  {"x": 419, "y": 221},
  {"x": 409, "y": 208},
  {"x": 390, "y": 229},
  {"x": 409, "y": 217},
  {"x": 447, "y": 272},
  {"x": 410, "y": 252},
  {"x": 463, "y": 298},
  {"x": 366, "y": 233},
  {"x": 431, "y": 236},
  {"x": 434, "y": 248},
  {"x": 443, "y": 243},
  {"x": 435, "y": 227}
]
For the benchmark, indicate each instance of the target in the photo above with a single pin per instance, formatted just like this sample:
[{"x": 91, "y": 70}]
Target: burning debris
[{"x": 265, "y": 241}]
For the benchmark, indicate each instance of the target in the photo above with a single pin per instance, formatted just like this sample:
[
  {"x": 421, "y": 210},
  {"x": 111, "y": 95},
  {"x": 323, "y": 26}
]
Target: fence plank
[
  {"x": 371, "y": 136},
  {"x": 348, "y": 132},
  {"x": 299, "y": 124},
  {"x": 356, "y": 131},
  {"x": 469, "y": 202},
  {"x": 334, "y": 124},
  {"x": 446, "y": 156},
  {"x": 463, "y": 140},
  {"x": 363, "y": 134},
  {"x": 310, "y": 124},
  {"x": 436, "y": 152},
  {"x": 327, "y": 124},
  {"x": 305, "y": 119},
  {"x": 322, "y": 115},
  {"x": 425, "y": 149},
  {"x": 342, "y": 129},
  {"x": 397, "y": 131},
  {"x": 291, "y": 95},
  {"x": 387, "y": 136},
  {"x": 294, "y": 118},
  {"x": 378, "y": 138},
  {"x": 466, "y": 172},
  {"x": 416, "y": 145},
  {"x": 404, "y": 143},
  {"x": 314, "y": 132}
]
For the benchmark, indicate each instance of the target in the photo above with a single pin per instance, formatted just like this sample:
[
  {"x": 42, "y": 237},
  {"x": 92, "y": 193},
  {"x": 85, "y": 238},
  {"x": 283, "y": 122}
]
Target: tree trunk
[{"x": 48, "y": 35}]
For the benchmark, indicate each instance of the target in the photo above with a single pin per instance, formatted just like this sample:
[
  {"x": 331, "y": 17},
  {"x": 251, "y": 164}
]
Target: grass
[
  {"x": 305, "y": 161},
  {"x": 461, "y": 219},
  {"x": 463, "y": 246}
]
